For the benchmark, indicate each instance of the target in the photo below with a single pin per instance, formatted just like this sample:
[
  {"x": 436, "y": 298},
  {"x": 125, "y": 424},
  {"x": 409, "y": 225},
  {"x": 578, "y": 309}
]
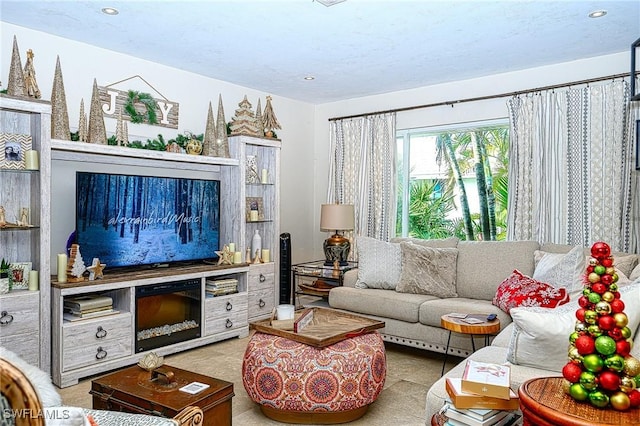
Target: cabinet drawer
[
  {"x": 261, "y": 302},
  {"x": 81, "y": 341},
  {"x": 27, "y": 346},
  {"x": 261, "y": 276},
  {"x": 225, "y": 313},
  {"x": 19, "y": 314}
]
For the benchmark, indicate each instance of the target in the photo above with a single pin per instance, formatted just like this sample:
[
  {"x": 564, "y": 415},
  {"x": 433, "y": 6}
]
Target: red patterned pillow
[{"x": 521, "y": 290}]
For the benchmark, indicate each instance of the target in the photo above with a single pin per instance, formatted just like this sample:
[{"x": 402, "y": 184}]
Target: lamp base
[{"x": 337, "y": 248}]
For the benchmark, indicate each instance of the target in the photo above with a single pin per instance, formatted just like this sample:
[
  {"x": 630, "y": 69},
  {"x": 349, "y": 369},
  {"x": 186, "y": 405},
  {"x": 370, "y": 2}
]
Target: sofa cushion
[
  {"x": 427, "y": 270},
  {"x": 483, "y": 265},
  {"x": 378, "y": 302},
  {"x": 438, "y": 243},
  {"x": 625, "y": 262},
  {"x": 378, "y": 263},
  {"x": 561, "y": 269},
  {"x": 432, "y": 310},
  {"x": 521, "y": 290},
  {"x": 635, "y": 274},
  {"x": 546, "y": 331}
]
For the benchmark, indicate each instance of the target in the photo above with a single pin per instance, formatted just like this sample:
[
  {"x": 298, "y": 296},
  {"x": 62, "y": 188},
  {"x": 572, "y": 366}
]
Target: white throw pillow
[
  {"x": 540, "y": 336},
  {"x": 562, "y": 269},
  {"x": 40, "y": 380},
  {"x": 65, "y": 416},
  {"x": 379, "y": 263}
]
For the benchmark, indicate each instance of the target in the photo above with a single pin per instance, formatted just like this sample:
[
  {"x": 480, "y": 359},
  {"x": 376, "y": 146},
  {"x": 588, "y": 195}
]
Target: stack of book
[
  {"x": 482, "y": 397},
  {"x": 221, "y": 287},
  {"x": 87, "y": 306}
]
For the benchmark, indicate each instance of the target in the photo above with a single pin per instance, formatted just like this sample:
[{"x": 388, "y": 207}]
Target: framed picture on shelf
[
  {"x": 19, "y": 275},
  {"x": 252, "y": 169},
  {"x": 255, "y": 209},
  {"x": 12, "y": 150}
]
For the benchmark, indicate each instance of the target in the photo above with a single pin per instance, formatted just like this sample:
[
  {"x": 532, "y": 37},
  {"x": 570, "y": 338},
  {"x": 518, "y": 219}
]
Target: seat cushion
[
  {"x": 381, "y": 303},
  {"x": 432, "y": 310}
]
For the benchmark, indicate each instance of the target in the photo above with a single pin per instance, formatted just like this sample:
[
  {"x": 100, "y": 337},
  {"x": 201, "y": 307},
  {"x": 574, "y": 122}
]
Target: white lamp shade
[{"x": 337, "y": 217}]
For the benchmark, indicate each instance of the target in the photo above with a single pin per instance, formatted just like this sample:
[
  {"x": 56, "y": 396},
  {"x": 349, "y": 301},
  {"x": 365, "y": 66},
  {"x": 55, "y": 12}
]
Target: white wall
[
  {"x": 443, "y": 115},
  {"x": 81, "y": 63}
]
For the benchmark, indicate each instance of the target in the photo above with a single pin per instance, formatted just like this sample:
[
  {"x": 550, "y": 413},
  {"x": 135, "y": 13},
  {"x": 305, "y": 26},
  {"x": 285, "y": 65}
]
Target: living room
[{"x": 305, "y": 156}]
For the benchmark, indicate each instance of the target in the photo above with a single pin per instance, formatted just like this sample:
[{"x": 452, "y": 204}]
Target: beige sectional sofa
[{"x": 532, "y": 340}]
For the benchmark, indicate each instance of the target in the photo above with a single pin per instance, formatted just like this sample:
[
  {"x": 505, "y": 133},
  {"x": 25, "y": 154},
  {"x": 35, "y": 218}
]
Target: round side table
[
  {"x": 458, "y": 325},
  {"x": 544, "y": 403}
]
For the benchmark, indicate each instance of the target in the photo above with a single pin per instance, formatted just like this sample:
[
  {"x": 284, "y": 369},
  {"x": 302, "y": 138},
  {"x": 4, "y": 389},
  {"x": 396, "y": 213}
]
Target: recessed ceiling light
[
  {"x": 597, "y": 14},
  {"x": 309, "y": 77},
  {"x": 110, "y": 11}
]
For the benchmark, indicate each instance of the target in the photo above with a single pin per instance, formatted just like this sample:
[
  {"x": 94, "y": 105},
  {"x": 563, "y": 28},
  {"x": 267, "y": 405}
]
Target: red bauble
[
  {"x": 583, "y": 301},
  {"x": 617, "y": 305},
  {"x": 615, "y": 333},
  {"x": 606, "y": 322},
  {"x": 590, "y": 269},
  {"x": 609, "y": 380},
  {"x": 634, "y": 396},
  {"x": 607, "y": 262},
  {"x": 623, "y": 347},
  {"x": 600, "y": 250},
  {"x": 571, "y": 371},
  {"x": 606, "y": 279},
  {"x": 580, "y": 314},
  {"x": 599, "y": 287},
  {"x": 585, "y": 345}
]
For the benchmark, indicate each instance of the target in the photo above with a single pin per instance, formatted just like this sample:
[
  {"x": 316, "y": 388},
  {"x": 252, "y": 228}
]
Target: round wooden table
[
  {"x": 458, "y": 325},
  {"x": 544, "y": 403}
]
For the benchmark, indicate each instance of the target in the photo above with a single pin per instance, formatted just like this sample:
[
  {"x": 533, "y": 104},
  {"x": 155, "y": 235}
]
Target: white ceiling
[{"x": 355, "y": 48}]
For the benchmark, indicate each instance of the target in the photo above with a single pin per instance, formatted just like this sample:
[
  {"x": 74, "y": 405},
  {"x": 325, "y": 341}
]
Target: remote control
[{"x": 491, "y": 317}]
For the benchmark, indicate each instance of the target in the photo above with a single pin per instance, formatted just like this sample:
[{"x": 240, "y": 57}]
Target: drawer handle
[
  {"x": 6, "y": 318},
  {"x": 101, "y": 353},
  {"x": 262, "y": 278},
  {"x": 261, "y": 303},
  {"x": 229, "y": 306},
  {"x": 101, "y": 333},
  {"x": 229, "y": 323}
]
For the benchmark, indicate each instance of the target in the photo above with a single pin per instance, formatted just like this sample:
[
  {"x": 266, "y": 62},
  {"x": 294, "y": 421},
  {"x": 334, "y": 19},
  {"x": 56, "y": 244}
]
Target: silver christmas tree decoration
[
  {"x": 120, "y": 138},
  {"x": 82, "y": 123},
  {"x": 244, "y": 122},
  {"x": 30, "y": 77},
  {"x": 125, "y": 130},
  {"x": 15, "y": 86},
  {"x": 222, "y": 141},
  {"x": 259, "y": 125},
  {"x": 97, "y": 131},
  {"x": 59, "y": 113},
  {"x": 209, "y": 146},
  {"x": 269, "y": 120},
  {"x": 75, "y": 265}
]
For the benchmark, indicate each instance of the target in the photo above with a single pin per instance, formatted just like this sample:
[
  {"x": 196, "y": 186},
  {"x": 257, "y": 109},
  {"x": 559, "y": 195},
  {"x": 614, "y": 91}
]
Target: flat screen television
[{"x": 131, "y": 220}]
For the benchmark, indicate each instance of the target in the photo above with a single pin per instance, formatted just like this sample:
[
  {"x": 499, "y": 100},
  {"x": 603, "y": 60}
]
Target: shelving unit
[{"x": 25, "y": 315}]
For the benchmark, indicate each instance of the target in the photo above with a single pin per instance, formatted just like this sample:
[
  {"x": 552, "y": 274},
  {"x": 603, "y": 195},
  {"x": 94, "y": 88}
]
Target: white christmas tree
[{"x": 77, "y": 264}]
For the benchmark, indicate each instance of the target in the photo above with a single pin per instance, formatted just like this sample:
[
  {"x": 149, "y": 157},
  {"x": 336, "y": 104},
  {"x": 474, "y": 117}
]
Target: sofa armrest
[{"x": 350, "y": 277}]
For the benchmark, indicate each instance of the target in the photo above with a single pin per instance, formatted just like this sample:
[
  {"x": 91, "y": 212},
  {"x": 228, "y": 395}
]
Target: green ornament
[
  {"x": 599, "y": 269},
  {"x": 593, "y": 363},
  {"x": 598, "y": 399},
  {"x": 594, "y": 330},
  {"x": 578, "y": 393},
  {"x": 605, "y": 345},
  {"x": 594, "y": 298},
  {"x": 588, "y": 380},
  {"x": 615, "y": 363},
  {"x": 573, "y": 336},
  {"x": 590, "y": 317}
]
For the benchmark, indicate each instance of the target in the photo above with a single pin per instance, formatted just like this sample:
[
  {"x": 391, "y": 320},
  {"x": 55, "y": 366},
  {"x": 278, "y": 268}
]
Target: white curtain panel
[
  {"x": 363, "y": 172},
  {"x": 571, "y": 165}
]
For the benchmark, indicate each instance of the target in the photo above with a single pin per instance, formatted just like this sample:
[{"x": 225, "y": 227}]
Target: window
[{"x": 453, "y": 181}]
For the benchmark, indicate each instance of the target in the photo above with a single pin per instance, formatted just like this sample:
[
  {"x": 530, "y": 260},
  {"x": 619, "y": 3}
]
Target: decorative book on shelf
[
  {"x": 86, "y": 302},
  {"x": 468, "y": 418},
  {"x": 487, "y": 379},
  {"x": 464, "y": 400}
]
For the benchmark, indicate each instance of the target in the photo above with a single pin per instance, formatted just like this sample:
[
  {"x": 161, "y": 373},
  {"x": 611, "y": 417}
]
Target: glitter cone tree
[{"x": 600, "y": 370}]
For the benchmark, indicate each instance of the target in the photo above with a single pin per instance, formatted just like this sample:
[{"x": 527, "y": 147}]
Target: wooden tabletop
[
  {"x": 459, "y": 326},
  {"x": 544, "y": 403}
]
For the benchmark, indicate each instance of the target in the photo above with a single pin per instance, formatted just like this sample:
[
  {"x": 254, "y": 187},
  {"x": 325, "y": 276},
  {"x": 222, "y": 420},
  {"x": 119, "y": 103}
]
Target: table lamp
[{"x": 336, "y": 218}]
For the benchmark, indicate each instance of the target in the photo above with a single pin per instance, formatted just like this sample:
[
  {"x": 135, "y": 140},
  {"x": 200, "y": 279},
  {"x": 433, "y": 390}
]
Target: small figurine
[
  {"x": 96, "y": 269},
  {"x": 257, "y": 258},
  {"x": 24, "y": 217},
  {"x": 30, "y": 77},
  {"x": 225, "y": 257},
  {"x": 3, "y": 219}
]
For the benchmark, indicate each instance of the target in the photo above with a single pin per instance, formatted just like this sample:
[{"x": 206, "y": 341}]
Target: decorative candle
[
  {"x": 264, "y": 175},
  {"x": 253, "y": 215},
  {"x": 62, "y": 268},
  {"x": 232, "y": 247},
  {"x": 265, "y": 255},
  {"x": 31, "y": 161},
  {"x": 33, "y": 280},
  {"x": 237, "y": 257}
]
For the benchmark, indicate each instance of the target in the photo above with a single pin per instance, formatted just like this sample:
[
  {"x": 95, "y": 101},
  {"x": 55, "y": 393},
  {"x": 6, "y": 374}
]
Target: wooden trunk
[{"x": 132, "y": 390}]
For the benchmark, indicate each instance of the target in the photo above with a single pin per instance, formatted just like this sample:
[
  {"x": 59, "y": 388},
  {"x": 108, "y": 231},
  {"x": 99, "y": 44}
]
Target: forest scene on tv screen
[{"x": 140, "y": 220}]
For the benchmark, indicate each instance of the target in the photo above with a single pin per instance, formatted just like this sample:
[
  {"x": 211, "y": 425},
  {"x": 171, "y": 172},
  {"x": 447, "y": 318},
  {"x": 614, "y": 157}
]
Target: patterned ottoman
[{"x": 297, "y": 383}]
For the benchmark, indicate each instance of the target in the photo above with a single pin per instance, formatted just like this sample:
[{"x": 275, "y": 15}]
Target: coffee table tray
[{"x": 328, "y": 326}]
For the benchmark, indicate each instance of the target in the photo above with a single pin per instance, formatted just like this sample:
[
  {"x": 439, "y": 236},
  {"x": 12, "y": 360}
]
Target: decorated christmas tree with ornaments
[{"x": 600, "y": 369}]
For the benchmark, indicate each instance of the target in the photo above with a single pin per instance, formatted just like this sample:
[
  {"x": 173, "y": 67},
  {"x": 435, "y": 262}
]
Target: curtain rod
[{"x": 484, "y": 98}]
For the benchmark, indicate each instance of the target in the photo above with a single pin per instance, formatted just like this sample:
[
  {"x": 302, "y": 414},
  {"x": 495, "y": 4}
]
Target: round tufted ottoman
[{"x": 297, "y": 383}]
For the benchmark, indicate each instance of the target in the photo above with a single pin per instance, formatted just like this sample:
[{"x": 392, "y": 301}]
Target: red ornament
[
  {"x": 606, "y": 279},
  {"x": 600, "y": 250},
  {"x": 580, "y": 314},
  {"x": 623, "y": 347},
  {"x": 609, "y": 380},
  {"x": 589, "y": 269},
  {"x": 606, "y": 322},
  {"x": 599, "y": 287},
  {"x": 583, "y": 301},
  {"x": 615, "y": 333},
  {"x": 634, "y": 396},
  {"x": 617, "y": 306},
  {"x": 607, "y": 262},
  {"x": 571, "y": 371},
  {"x": 585, "y": 345}
]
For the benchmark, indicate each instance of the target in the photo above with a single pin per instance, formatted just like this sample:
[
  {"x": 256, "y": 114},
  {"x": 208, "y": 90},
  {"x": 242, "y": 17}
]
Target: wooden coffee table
[
  {"x": 458, "y": 325},
  {"x": 544, "y": 403},
  {"x": 134, "y": 390}
]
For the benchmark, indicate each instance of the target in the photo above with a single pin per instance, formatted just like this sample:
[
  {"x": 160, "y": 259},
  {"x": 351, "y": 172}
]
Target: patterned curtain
[
  {"x": 363, "y": 172},
  {"x": 570, "y": 166}
]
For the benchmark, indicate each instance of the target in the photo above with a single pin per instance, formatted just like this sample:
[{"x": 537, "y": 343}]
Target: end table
[{"x": 458, "y": 325}]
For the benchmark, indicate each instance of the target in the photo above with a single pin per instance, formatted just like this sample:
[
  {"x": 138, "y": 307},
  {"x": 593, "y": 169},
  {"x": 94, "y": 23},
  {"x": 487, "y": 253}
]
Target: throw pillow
[
  {"x": 521, "y": 290},
  {"x": 625, "y": 263},
  {"x": 427, "y": 270},
  {"x": 635, "y": 274},
  {"x": 378, "y": 263},
  {"x": 561, "y": 269},
  {"x": 540, "y": 336},
  {"x": 40, "y": 380}
]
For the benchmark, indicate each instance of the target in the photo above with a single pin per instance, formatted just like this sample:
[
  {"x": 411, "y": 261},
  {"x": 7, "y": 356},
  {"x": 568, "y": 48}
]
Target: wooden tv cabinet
[{"x": 91, "y": 346}]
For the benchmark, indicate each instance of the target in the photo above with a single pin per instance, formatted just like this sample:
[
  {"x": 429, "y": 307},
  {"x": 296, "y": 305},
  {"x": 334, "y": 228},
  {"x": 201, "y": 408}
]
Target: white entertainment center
[{"x": 90, "y": 346}]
